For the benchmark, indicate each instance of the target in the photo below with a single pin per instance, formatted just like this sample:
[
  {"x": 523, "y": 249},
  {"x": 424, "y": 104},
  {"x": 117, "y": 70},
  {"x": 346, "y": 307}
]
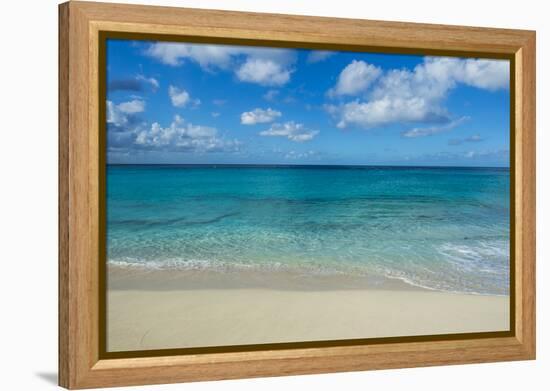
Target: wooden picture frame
[{"x": 82, "y": 362}]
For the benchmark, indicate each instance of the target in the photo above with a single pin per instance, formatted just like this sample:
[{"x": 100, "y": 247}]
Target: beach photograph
[{"x": 259, "y": 195}]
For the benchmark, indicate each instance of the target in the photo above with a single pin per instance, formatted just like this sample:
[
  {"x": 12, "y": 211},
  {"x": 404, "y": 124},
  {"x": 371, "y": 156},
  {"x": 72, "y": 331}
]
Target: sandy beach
[{"x": 177, "y": 309}]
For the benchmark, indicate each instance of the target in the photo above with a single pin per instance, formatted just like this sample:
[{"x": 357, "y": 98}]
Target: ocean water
[{"x": 439, "y": 228}]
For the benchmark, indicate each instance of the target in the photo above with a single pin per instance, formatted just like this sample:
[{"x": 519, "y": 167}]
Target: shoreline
[
  {"x": 142, "y": 278},
  {"x": 160, "y": 309}
]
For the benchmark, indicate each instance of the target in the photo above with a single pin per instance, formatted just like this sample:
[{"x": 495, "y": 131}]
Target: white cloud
[
  {"x": 264, "y": 72},
  {"x": 182, "y": 136},
  {"x": 149, "y": 80},
  {"x": 132, "y": 107},
  {"x": 291, "y": 130},
  {"x": 319, "y": 55},
  {"x": 119, "y": 114},
  {"x": 385, "y": 111},
  {"x": 399, "y": 96},
  {"x": 481, "y": 73},
  {"x": 259, "y": 116},
  {"x": 205, "y": 55},
  {"x": 265, "y": 66},
  {"x": 405, "y": 96},
  {"x": 431, "y": 130},
  {"x": 355, "y": 78},
  {"x": 487, "y": 74},
  {"x": 180, "y": 97}
]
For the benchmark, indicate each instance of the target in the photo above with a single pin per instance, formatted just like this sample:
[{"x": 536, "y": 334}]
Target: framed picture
[{"x": 251, "y": 195}]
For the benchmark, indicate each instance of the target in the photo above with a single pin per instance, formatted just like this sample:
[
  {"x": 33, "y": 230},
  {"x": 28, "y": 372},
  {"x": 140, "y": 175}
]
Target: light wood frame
[{"x": 80, "y": 162}]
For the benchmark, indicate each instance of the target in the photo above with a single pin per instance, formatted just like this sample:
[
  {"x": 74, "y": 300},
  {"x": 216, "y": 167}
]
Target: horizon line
[{"x": 293, "y": 165}]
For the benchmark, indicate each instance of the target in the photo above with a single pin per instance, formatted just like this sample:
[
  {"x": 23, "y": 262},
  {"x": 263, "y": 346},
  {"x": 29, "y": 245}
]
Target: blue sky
[{"x": 197, "y": 103}]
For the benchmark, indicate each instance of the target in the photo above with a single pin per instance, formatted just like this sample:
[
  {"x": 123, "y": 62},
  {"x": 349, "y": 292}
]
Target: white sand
[{"x": 152, "y": 311}]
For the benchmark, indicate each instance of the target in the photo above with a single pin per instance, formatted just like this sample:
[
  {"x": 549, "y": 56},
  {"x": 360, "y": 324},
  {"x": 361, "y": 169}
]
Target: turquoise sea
[{"x": 439, "y": 228}]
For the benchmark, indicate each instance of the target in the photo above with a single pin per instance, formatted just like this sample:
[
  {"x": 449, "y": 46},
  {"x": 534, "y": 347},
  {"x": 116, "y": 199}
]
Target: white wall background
[{"x": 28, "y": 194}]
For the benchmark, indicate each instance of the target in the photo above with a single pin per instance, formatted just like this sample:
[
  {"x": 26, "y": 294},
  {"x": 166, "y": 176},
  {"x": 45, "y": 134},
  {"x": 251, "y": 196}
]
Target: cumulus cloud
[
  {"x": 132, "y": 107},
  {"x": 291, "y": 130},
  {"x": 183, "y": 136},
  {"x": 385, "y": 111},
  {"x": 180, "y": 97},
  {"x": 123, "y": 122},
  {"x": 121, "y": 114},
  {"x": 259, "y": 116},
  {"x": 418, "y": 95},
  {"x": 127, "y": 133},
  {"x": 355, "y": 78},
  {"x": 319, "y": 55},
  {"x": 431, "y": 130},
  {"x": 487, "y": 74},
  {"x": 264, "y": 72},
  {"x": 206, "y": 56},
  {"x": 264, "y": 66}
]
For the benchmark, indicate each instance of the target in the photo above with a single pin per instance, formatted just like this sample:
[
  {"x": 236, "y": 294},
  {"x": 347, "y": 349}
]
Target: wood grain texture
[
  {"x": 291, "y": 28},
  {"x": 63, "y": 178},
  {"x": 78, "y": 345},
  {"x": 525, "y": 134},
  {"x": 79, "y": 201}
]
